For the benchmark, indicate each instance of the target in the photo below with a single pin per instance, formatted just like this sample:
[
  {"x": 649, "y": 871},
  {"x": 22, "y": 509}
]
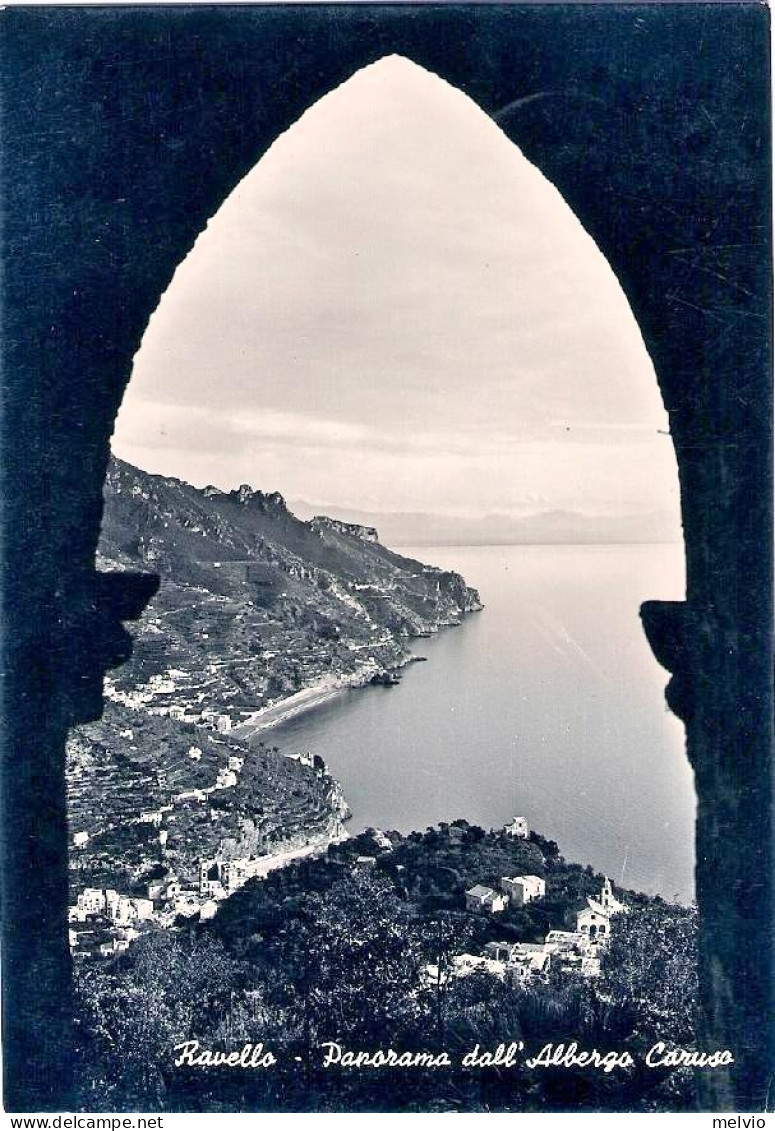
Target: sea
[{"x": 547, "y": 704}]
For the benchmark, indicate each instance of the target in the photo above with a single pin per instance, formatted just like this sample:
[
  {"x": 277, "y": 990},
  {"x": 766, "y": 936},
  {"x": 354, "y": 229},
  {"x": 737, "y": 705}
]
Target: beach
[{"x": 296, "y": 704}]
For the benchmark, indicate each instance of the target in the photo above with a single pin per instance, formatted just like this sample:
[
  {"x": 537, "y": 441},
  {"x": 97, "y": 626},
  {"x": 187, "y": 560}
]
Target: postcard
[{"x": 387, "y": 558}]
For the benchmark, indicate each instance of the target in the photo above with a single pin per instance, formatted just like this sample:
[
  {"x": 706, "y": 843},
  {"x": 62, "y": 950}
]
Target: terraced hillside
[
  {"x": 151, "y": 791},
  {"x": 256, "y": 610},
  {"x": 255, "y": 605}
]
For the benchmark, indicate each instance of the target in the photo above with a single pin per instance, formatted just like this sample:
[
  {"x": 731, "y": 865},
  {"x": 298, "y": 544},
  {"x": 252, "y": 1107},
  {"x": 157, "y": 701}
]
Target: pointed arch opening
[{"x": 396, "y": 320}]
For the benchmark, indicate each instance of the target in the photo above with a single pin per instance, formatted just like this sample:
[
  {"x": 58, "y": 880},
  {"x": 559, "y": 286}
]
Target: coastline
[
  {"x": 323, "y": 691},
  {"x": 329, "y": 687},
  {"x": 297, "y": 704},
  {"x": 285, "y": 856}
]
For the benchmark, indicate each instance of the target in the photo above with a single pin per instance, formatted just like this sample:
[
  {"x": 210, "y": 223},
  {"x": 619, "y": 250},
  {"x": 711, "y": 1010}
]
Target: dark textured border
[{"x": 125, "y": 128}]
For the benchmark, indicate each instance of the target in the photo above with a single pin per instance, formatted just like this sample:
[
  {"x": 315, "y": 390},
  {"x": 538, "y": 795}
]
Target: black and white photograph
[{"x": 387, "y": 558}]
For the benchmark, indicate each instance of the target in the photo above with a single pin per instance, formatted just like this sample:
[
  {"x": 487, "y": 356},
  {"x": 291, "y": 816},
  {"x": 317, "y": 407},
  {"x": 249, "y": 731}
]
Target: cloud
[{"x": 395, "y": 300}]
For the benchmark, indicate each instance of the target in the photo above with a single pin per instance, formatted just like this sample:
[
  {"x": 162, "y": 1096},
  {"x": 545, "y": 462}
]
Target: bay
[{"x": 548, "y": 704}]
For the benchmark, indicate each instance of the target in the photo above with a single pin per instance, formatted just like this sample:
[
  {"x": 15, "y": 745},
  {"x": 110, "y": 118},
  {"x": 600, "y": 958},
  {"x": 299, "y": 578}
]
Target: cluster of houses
[
  {"x": 161, "y": 695},
  {"x": 119, "y": 909},
  {"x": 104, "y": 922},
  {"x": 217, "y": 880},
  {"x": 571, "y": 951},
  {"x": 576, "y": 950}
]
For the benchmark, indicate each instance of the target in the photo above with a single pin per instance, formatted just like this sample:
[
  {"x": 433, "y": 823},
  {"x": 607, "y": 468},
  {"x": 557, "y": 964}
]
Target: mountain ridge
[
  {"x": 552, "y": 527},
  {"x": 246, "y": 584}
]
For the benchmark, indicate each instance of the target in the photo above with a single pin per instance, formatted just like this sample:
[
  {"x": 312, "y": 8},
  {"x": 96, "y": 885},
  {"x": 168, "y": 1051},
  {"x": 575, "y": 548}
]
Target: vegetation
[
  {"x": 255, "y": 604},
  {"x": 334, "y": 950},
  {"x": 129, "y": 762}
]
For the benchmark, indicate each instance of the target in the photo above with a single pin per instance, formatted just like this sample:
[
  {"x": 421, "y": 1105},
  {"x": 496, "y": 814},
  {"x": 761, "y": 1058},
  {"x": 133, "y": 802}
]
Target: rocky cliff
[{"x": 256, "y": 605}]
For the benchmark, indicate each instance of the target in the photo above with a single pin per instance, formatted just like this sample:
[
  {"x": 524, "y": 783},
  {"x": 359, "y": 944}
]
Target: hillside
[
  {"x": 347, "y": 948},
  {"x": 254, "y": 604},
  {"x": 153, "y": 796},
  {"x": 256, "y": 610}
]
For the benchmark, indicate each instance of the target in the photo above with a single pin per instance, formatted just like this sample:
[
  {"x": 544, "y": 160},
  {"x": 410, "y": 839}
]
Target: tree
[
  {"x": 444, "y": 936},
  {"x": 351, "y": 961},
  {"x": 131, "y": 1014},
  {"x": 650, "y": 967}
]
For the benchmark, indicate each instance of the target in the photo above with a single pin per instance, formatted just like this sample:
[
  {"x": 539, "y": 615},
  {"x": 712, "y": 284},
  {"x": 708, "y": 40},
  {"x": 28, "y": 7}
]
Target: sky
[{"x": 396, "y": 311}]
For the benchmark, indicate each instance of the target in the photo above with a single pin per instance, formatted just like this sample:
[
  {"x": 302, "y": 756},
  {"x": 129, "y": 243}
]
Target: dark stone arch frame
[{"x": 126, "y": 128}]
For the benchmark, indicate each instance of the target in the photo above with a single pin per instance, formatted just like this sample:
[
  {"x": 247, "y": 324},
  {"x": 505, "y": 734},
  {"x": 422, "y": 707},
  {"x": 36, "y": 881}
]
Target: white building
[
  {"x": 520, "y": 960},
  {"x": 111, "y": 902},
  {"x": 124, "y": 911},
  {"x": 481, "y": 898},
  {"x": 566, "y": 942},
  {"x": 80, "y": 840},
  {"x": 212, "y": 889},
  {"x": 304, "y": 759},
  {"x": 499, "y": 951},
  {"x": 234, "y": 873},
  {"x": 609, "y": 901},
  {"x": 381, "y": 840},
  {"x": 529, "y": 960},
  {"x": 191, "y": 795},
  {"x": 92, "y": 901},
  {"x": 465, "y": 964},
  {"x": 462, "y": 966},
  {"x": 143, "y": 908},
  {"x": 517, "y": 827},
  {"x": 523, "y": 889},
  {"x": 593, "y": 921}
]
